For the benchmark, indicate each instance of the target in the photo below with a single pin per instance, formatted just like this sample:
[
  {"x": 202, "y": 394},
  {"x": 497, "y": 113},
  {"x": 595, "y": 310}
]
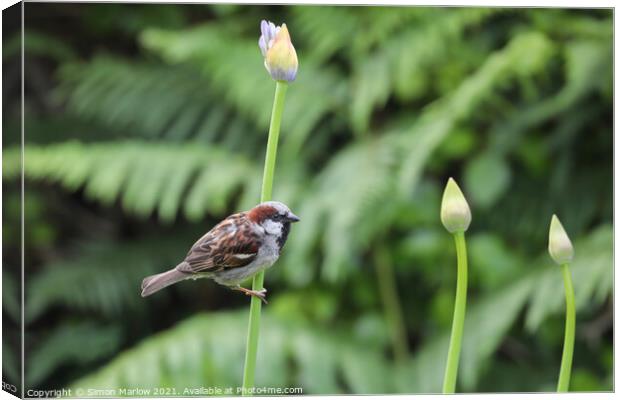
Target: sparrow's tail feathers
[{"x": 154, "y": 283}]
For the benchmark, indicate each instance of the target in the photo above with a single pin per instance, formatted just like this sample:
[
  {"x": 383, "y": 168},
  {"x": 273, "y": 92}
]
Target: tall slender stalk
[
  {"x": 456, "y": 217},
  {"x": 257, "y": 283},
  {"x": 458, "y": 321},
  {"x": 562, "y": 252},
  {"x": 391, "y": 304},
  {"x": 569, "y": 332}
]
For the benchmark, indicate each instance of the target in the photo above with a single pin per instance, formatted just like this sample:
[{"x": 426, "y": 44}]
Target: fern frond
[
  {"x": 146, "y": 177},
  {"x": 404, "y": 64},
  {"x": 205, "y": 351},
  {"x": 368, "y": 169},
  {"x": 144, "y": 99},
  {"x": 314, "y": 26},
  {"x": 359, "y": 29},
  {"x": 118, "y": 272}
]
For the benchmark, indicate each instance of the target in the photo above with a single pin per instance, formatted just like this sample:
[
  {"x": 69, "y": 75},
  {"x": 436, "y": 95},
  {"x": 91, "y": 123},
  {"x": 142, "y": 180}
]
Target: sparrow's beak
[{"x": 292, "y": 217}]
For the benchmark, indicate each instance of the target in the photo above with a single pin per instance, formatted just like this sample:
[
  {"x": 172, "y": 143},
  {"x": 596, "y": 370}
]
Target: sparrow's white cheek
[{"x": 272, "y": 227}]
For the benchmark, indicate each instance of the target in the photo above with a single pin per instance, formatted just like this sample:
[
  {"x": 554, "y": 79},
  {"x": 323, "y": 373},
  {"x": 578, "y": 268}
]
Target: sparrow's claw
[{"x": 261, "y": 294}]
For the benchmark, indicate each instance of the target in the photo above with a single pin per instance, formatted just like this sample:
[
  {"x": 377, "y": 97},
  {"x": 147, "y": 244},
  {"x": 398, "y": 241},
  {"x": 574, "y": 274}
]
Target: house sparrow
[{"x": 235, "y": 249}]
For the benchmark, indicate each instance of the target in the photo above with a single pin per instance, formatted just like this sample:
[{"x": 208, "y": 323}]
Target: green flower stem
[
  {"x": 456, "y": 338},
  {"x": 569, "y": 332},
  {"x": 391, "y": 304},
  {"x": 257, "y": 283}
]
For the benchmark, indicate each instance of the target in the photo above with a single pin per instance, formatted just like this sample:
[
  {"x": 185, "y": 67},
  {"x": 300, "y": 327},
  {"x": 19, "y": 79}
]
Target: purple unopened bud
[{"x": 278, "y": 51}]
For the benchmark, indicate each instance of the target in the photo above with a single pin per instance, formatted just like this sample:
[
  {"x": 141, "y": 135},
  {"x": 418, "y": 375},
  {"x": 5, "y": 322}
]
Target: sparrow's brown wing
[{"x": 230, "y": 244}]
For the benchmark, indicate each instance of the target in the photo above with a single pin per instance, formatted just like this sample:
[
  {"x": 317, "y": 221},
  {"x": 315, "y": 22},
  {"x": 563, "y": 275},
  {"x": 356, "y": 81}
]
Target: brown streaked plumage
[{"x": 220, "y": 247}]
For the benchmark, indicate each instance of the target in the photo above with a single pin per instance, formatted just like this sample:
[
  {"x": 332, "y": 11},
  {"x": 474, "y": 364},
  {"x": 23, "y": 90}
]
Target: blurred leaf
[
  {"x": 492, "y": 261},
  {"x": 592, "y": 278},
  {"x": 486, "y": 178},
  {"x": 488, "y": 323},
  {"x": 584, "y": 381},
  {"x": 38, "y": 44},
  {"x": 461, "y": 143}
]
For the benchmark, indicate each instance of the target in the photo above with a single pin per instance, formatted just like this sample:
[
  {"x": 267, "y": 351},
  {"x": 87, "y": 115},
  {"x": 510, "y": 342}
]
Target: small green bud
[
  {"x": 455, "y": 213},
  {"x": 560, "y": 246}
]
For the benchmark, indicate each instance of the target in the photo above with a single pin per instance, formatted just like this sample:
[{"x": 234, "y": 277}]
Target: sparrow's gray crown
[{"x": 282, "y": 211}]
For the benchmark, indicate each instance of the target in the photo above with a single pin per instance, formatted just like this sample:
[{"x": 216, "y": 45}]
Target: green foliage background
[{"x": 146, "y": 124}]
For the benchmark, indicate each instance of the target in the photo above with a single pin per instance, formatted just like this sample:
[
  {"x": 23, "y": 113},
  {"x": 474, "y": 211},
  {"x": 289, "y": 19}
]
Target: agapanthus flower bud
[
  {"x": 455, "y": 213},
  {"x": 560, "y": 246},
  {"x": 278, "y": 51}
]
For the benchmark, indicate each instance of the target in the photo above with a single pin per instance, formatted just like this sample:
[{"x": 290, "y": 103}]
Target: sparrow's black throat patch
[{"x": 286, "y": 228}]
